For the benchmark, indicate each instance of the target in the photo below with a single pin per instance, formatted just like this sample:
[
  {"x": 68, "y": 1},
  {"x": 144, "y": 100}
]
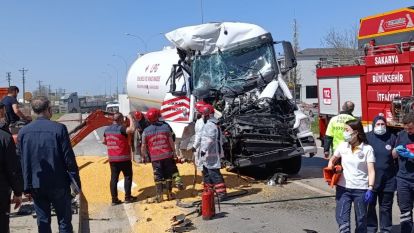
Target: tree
[
  {"x": 294, "y": 76},
  {"x": 345, "y": 42}
]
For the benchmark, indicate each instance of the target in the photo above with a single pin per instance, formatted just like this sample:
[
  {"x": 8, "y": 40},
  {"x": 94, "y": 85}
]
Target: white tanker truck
[{"x": 233, "y": 66}]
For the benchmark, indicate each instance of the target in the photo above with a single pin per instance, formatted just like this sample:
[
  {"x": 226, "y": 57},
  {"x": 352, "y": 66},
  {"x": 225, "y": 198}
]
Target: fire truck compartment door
[
  {"x": 328, "y": 96},
  {"x": 350, "y": 89}
]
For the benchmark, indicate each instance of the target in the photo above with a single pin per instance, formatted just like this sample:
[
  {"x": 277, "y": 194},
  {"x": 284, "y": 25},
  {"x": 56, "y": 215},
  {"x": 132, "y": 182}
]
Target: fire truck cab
[{"x": 378, "y": 81}]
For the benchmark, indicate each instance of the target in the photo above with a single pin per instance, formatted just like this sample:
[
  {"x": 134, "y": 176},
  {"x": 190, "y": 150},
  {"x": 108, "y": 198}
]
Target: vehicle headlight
[{"x": 304, "y": 125}]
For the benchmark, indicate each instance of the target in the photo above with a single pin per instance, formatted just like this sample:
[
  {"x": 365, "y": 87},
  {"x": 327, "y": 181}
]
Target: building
[{"x": 309, "y": 58}]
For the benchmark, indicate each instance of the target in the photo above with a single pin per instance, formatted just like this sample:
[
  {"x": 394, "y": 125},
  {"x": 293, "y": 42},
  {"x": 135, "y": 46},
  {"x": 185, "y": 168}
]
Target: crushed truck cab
[{"x": 233, "y": 66}]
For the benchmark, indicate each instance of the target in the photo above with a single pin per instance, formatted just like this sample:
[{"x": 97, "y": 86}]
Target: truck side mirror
[{"x": 290, "y": 59}]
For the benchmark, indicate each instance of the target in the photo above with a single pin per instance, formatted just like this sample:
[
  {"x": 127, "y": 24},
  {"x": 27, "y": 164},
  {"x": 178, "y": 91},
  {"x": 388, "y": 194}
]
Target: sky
[{"x": 81, "y": 45}]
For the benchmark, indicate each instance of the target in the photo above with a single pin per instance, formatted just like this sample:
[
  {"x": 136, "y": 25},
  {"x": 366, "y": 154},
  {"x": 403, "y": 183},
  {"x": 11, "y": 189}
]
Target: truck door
[{"x": 177, "y": 103}]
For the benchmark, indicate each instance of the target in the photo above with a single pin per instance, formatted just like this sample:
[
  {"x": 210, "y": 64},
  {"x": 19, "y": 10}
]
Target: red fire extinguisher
[{"x": 208, "y": 209}]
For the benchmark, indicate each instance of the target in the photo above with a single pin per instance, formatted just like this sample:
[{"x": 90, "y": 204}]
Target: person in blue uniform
[
  {"x": 382, "y": 141},
  {"x": 405, "y": 174}
]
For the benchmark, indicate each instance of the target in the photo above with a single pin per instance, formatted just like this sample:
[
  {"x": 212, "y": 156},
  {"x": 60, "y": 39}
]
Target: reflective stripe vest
[
  {"x": 336, "y": 128},
  {"x": 117, "y": 143},
  {"x": 157, "y": 139}
]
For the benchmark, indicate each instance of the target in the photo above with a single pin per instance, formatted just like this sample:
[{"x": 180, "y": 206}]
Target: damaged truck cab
[{"x": 233, "y": 66}]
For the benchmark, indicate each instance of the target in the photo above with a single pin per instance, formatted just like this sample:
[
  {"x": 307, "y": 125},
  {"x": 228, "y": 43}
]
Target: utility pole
[
  {"x": 23, "y": 70},
  {"x": 40, "y": 88},
  {"x": 295, "y": 72},
  {"x": 8, "y": 76}
]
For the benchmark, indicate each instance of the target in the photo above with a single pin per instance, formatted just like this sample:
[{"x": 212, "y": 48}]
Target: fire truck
[{"x": 378, "y": 81}]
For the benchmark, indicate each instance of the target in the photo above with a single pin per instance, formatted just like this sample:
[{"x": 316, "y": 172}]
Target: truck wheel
[{"x": 292, "y": 166}]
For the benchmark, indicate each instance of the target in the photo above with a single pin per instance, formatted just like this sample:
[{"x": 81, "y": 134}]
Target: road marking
[
  {"x": 320, "y": 191},
  {"x": 130, "y": 213},
  {"x": 96, "y": 135}
]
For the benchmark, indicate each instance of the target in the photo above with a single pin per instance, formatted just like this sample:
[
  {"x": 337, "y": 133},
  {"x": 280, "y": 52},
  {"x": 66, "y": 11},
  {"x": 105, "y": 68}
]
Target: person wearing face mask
[
  {"x": 335, "y": 129},
  {"x": 382, "y": 141},
  {"x": 405, "y": 175},
  {"x": 357, "y": 180}
]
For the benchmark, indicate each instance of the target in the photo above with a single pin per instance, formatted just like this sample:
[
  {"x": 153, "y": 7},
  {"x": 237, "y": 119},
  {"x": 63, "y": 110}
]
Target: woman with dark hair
[
  {"x": 382, "y": 141},
  {"x": 357, "y": 180}
]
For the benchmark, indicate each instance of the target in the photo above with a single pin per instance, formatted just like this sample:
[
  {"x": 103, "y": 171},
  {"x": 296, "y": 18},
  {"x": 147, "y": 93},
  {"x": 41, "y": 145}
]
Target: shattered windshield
[{"x": 234, "y": 71}]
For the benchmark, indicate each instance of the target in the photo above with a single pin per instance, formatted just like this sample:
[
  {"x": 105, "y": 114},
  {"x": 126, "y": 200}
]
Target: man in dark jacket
[
  {"x": 47, "y": 158},
  {"x": 10, "y": 174},
  {"x": 382, "y": 141}
]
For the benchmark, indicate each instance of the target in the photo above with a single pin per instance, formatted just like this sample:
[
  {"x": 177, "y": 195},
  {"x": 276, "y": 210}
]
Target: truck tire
[{"x": 292, "y": 166}]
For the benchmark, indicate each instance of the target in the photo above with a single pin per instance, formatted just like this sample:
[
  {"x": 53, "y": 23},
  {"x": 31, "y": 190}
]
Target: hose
[{"x": 244, "y": 192}]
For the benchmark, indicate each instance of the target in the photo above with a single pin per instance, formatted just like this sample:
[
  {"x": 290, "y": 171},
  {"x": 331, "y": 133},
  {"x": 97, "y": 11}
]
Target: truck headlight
[{"x": 304, "y": 125}]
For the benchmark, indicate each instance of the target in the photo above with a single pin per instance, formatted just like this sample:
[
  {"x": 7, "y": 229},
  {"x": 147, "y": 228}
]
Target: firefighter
[
  {"x": 334, "y": 132},
  {"x": 197, "y": 132},
  {"x": 211, "y": 152},
  {"x": 158, "y": 147},
  {"x": 405, "y": 174},
  {"x": 357, "y": 181},
  {"x": 119, "y": 156},
  {"x": 382, "y": 141},
  {"x": 141, "y": 124}
]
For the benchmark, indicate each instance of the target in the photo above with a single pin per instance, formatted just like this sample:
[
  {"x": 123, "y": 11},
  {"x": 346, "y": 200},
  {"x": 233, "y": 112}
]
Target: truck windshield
[{"x": 234, "y": 71}]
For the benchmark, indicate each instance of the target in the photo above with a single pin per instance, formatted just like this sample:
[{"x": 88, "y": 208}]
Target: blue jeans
[
  {"x": 344, "y": 199},
  {"x": 60, "y": 198},
  {"x": 385, "y": 201},
  {"x": 405, "y": 198}
]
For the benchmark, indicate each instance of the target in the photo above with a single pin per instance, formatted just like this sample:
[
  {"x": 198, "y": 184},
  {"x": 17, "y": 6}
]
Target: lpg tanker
[{"x": 233, "y": 66}]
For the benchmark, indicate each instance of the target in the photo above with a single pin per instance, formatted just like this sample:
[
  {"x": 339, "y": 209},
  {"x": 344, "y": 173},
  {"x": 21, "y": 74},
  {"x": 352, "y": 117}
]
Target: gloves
[
  {"x": 403, "y": 152},
  {"x": 369, "y": 197},
  {"x": 202, "y": 153}
]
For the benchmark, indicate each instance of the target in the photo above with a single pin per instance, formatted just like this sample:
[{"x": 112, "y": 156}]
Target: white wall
[{"x": 307, "y": 67}]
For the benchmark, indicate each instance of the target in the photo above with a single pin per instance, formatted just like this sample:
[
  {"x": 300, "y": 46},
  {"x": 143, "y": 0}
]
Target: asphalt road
[{"x": 299, "y": 206}]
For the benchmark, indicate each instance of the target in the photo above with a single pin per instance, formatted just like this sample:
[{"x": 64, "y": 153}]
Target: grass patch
[{"x": 315, "y": 125}]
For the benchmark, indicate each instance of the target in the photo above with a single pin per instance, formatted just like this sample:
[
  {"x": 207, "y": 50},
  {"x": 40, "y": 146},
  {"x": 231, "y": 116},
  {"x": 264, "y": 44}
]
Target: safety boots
[
  {"x": 168, "y": 188},
  {"x": 158, "y": 192}
]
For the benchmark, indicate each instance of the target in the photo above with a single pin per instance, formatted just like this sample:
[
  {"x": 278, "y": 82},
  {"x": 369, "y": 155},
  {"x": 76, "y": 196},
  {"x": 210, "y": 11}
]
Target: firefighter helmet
[
  {"x": 138, "y": 115},
  {"x": 207, "y": 110},
  {"x": 153, "y": 114}
]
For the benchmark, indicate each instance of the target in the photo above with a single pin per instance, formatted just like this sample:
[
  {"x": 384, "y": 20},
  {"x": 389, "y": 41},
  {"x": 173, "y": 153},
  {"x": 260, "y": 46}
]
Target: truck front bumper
[
  {"x": 307, "y": 142},
  {"x": 270, "y": 156}
]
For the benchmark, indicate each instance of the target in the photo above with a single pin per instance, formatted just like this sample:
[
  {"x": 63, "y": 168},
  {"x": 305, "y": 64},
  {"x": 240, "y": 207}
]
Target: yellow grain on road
[{"x": 151, "y": 217}]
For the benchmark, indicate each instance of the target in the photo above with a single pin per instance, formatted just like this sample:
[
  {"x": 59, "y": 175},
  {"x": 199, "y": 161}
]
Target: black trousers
[
  {"x": 385, "y": 201},
  {"x": 164, "y": 169},
  {"x": 4, "y": 211},
  {"x": 126, "y": 169}
]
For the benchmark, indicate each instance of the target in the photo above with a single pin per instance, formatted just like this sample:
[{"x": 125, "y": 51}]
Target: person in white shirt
[{"x": 357, "y": 180}]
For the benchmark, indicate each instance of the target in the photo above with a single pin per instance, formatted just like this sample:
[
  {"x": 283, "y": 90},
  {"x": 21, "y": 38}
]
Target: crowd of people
[
  {"x": 374, "y": 166},
  {"x": 42, "y": 165}
]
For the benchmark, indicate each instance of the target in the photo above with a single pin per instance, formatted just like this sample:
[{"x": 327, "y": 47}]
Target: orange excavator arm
[{"x": 94, "y": 121}]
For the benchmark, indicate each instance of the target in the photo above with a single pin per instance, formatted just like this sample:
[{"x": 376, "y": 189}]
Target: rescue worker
[
  {"x": 119, "y": 156},
  {"x": 405, "y": 174},
  {"x": 357, "y": 180},
  {"x": 334, "y": 132},
  {"x": 382, "y": 141},
  {"x": 141, "y": 124},
  {"x": 158, "y": 147},
  {"x": 197, "y": 132},
  {"x": 211, "y": 152}
]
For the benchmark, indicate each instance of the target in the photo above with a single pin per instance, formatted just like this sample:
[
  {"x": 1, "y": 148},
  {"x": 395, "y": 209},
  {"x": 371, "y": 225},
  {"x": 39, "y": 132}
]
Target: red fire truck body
[{"x": 383, "y": 74}]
